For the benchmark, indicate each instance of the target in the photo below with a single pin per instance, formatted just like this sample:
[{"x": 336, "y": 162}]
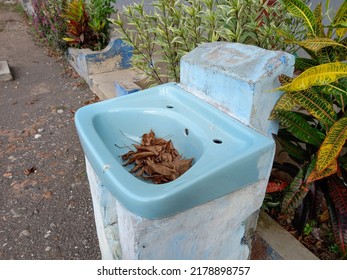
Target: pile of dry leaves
[{"x": 156, "y": 160}]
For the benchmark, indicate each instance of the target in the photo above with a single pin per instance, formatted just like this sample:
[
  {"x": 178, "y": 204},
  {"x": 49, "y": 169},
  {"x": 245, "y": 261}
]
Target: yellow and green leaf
[
  {"x": 341, "y": 19},
  {"x": 332, "y": 145},
  {"x": 299, "y": 9},
  {"x": 66, "y": 39},
  {"x": 295, "y": 193},
  {"x": 318, "y": 13},
  {"x": 286, "y": 103},
  {"x": 317, "y": 106},
  {"x": 317, "y": 175},
  {"x": 317, "y": 76},
  {"x": 299, "y": 127},
  {"x": 293, "y": 150},
  {"x": 316, "y": 44},
  {"x": 338, "y": 90},
  {"x": 302, "y": 63},
  {"x": 341, "y": 31}
]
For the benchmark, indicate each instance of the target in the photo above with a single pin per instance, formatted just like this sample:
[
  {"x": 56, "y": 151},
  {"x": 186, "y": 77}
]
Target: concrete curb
[
  {"x": 116, "y": 56},
  {"x": 107, "y": 72},
  {"x": 27, "y": 6},
  {"x": 5, "y": 73},
  {"x": 272, "y": 242}
]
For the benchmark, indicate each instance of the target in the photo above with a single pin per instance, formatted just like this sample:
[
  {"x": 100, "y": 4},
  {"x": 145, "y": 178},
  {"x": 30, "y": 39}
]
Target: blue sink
[{"x": 227, "y": 154}]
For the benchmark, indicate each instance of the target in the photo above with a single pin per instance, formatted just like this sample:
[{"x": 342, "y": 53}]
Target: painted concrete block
[
  {"x": 211, "y": 231},
  {"x": 116, "y": 56},
  {"x": 104, "y": 84},
  {"x": 218, "y": 229},
  {"x": 5, "y": 73},
  {"x": 125, "y": 87},
  {"x": 237, "y": 79},
  {"x": 106, "y": 220}
]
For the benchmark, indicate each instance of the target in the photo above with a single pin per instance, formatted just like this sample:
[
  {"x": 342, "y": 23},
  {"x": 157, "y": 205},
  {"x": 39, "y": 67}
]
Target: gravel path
[{"x": 45, "y": 204}]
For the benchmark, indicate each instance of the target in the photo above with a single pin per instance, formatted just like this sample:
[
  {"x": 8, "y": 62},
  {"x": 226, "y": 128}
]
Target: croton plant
[{"x": 313, "y": 118}]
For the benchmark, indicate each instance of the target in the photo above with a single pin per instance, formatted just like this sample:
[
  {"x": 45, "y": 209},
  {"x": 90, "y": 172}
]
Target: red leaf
[
  {"x": 276, "y": 186},
  {"x": 338, "y": 195}
]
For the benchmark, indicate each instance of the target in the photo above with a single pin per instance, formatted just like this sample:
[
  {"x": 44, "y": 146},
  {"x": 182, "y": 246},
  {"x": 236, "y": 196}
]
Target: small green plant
[
  {"x": 335, "y": 248},
  {"x": 307, "y": 229},
  {"x": 19, "y": 9},
  {"x": 161, "y": 37},
  {"x": 309, "y": 226},
  {"x": 312, "y": 112},
  {"x": 99, "y": 12}
]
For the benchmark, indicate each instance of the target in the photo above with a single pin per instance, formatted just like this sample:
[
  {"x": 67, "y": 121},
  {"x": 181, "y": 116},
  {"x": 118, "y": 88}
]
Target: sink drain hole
[
  {"x": 186, "y": 131},
  {"x": 169, "y": 106},
  {"x": 217, "y": 141}
]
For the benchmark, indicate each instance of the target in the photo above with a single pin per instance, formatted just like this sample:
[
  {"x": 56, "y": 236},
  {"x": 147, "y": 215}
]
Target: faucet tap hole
[{"x": 217, "y": 141}]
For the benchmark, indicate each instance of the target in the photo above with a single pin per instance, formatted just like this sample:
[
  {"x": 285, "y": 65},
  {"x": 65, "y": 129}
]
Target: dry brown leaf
[
  {"x": 160, "y": 169},
  {"x": 182, "y": 165},
  {"x": 156, "y": 159},
  {"x": 325, "y": 216},
  {"x": 29, "y": 171},
  {"x": 8, "y": 174},
  {"x": 47, "y": 195}
]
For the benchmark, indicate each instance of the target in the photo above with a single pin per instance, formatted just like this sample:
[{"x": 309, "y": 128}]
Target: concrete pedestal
[{"x": 219, "y": 229}]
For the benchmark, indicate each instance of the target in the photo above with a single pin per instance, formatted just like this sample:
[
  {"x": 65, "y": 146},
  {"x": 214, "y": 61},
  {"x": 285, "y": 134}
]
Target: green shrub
[
  {"x": 87, "y": 23},
  {"x": 99, "y": 12},
  {"x": 161, "y": 37}
]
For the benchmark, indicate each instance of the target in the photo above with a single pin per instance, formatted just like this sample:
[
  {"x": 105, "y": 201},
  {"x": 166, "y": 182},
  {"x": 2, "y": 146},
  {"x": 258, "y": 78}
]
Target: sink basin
[{"x": 227, "y": 154}]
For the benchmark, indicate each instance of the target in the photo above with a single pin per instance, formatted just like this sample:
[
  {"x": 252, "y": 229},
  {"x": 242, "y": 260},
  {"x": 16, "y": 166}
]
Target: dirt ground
[{"x": 45, "y": 204}]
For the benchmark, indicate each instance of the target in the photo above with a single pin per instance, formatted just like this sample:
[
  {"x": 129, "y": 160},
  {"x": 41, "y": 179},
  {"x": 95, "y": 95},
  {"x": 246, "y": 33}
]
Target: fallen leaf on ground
[
  {"x": 8, "y": 174},
  {"x": 29, "y": 171},
  {"x": 47, "y": 195},
  {"x": 95, "y": 99},
  {"x": 23, "y": 185}
]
